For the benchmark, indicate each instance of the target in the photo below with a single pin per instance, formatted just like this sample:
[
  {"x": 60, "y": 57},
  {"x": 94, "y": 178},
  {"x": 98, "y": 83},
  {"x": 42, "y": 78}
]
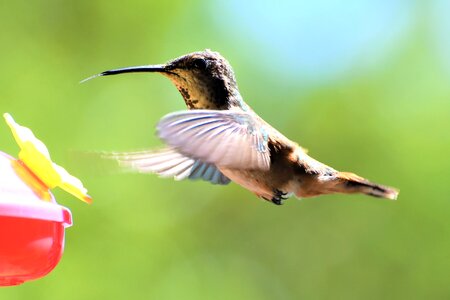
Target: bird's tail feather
[{"x": 352, "y": 183}]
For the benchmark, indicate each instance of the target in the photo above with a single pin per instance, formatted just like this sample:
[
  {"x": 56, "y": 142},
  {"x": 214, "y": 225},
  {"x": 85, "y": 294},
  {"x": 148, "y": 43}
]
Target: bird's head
[{"x": 205, "y": 79}]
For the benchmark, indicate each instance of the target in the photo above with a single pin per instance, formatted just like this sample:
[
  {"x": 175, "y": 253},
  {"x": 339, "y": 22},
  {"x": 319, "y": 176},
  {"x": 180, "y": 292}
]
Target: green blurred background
[{"x": 365, "y": 87}]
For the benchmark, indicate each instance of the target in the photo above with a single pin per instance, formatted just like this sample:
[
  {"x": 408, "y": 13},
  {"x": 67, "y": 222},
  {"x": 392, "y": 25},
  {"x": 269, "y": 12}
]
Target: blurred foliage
[{"x": 149, "y": 238}]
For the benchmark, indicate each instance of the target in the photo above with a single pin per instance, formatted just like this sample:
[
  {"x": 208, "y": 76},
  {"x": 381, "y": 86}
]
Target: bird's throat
[{"x": 201, "y": 96}]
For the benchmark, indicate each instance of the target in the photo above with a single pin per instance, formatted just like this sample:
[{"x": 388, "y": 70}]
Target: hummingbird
[{"x": 221, "y": 139}]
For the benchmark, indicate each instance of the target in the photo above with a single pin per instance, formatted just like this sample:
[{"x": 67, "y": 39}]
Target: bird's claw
[{"x": 278, "y": 197}]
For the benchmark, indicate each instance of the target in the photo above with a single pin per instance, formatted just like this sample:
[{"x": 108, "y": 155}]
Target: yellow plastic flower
[{"x": 35, "y": 159}]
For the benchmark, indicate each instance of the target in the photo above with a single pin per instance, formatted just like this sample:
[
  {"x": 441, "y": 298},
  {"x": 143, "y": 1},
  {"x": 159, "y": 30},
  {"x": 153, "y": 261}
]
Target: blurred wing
[
  {"x": 208, "y": 172},
  {"x": 169, "y": 163},
  {"x": 224, "y": 138}
]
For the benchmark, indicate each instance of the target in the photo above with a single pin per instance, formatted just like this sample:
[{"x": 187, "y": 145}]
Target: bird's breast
[
  {"x": 263, "y": 183},
  {"x": 253, "y": 180}
]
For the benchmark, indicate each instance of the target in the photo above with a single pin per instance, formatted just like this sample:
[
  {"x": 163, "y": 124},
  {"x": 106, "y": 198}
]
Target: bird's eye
[{"x": 200, "y": 63}]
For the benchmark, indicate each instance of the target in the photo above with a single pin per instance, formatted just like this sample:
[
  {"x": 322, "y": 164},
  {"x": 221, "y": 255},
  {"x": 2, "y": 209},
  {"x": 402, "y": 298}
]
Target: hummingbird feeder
[{"x": 32, "y": 224}]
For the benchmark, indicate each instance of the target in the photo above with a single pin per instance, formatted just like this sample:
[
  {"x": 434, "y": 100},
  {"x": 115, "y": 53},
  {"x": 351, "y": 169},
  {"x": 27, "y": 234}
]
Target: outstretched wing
[
  {"x": 169, "y": 163},
  {"x": 223, "y": 138}
]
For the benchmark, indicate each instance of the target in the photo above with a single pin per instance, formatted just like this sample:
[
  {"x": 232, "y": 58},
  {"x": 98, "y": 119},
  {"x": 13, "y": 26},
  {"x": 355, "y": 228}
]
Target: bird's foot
[{"x": 279, "y": 197}]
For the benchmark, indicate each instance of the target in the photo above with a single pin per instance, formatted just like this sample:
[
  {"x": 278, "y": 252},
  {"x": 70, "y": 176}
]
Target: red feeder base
[{"x": 30, "y": 248}]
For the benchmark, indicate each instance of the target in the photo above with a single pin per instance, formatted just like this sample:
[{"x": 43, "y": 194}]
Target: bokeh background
[{"x": 364, "y": 85}]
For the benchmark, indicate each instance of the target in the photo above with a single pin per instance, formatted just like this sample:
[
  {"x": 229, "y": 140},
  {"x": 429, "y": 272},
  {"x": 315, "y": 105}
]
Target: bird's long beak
[{"x": 137, "y": 69}]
